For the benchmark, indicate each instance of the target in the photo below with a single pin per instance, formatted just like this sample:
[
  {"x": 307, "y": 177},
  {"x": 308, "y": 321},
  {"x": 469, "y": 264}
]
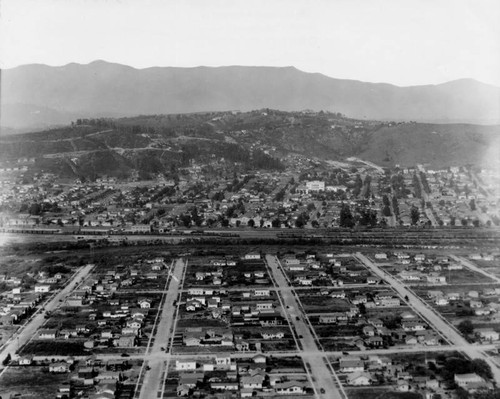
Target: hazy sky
[{"x": 405, "y": 42}]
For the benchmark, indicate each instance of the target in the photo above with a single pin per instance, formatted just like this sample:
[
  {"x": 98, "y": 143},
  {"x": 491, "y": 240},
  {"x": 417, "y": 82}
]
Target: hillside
[
  {"x": 237, "y": 142},
  {"x": 40, "y": 95}
]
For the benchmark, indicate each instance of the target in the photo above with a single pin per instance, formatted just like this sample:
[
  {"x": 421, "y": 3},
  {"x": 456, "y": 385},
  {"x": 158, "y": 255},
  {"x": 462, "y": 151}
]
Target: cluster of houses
[
  {"x": 420, "y": 268},
  {"x": 326, "y": 269},
  {"x": 21, "y": 301},
  {"x": 121, "y": 325},
  {"x": 107, "y": 312},
  {"x": 106, "y": 204},
  {"x": 254, "y": 306},
  {"x": 96, "y": 378},
  {"x": 373, "y": 370},
  {"x": 244, "y": 377}
]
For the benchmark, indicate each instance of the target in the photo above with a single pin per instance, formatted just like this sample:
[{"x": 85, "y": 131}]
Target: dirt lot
[{"x": 34, "y": 382}]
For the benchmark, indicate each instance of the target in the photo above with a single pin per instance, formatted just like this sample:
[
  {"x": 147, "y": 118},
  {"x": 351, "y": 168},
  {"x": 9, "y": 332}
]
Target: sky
[{"x": 403, "y": 42}]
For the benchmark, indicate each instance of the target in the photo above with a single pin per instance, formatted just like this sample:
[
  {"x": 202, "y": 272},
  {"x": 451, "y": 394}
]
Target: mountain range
[{"x": 37, "y": 96}]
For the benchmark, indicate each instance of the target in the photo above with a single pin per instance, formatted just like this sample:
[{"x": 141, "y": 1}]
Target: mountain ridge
[{"x": 101, "y": 88}]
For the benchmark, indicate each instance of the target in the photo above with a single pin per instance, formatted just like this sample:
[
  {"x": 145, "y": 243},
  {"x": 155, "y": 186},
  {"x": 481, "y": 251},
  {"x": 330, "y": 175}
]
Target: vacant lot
[{"x": 31, "y": 382}]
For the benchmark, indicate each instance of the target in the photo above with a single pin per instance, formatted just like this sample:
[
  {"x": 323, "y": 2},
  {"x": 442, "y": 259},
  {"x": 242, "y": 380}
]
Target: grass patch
[{"x": 34, "y": 382}]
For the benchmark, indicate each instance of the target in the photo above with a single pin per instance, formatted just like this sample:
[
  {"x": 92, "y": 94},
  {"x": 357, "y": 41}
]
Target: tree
[
  {"x": 472, "y": 204},
  {"x": 415, "y": 215},
  {"x": 6, "y": 360},
  {"x": 35, "y": 209},
  {"x": 346, "y": 218},
  {"x": 251, "y": 223},
  {"x": 185, "y": 220},
  {"x": 395, "y": 206},
  {"x": 368, "y": 217},
  {"x": 466, "y": 327},
  {"x": 276, "y": 223},
  {"x": 302, "y": 219}
]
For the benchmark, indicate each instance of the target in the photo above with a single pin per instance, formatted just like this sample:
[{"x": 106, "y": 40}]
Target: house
[
  {"x": 377, "y": 323},
  {"x": 191, "y": 306},
  {"x": 262, "y": 292},
  {"x": 381, "y": 256},
  {"x": 144, "y": 303},
  {"x": 224, "y": 386},
  {"x": 264, "y": 306},
  {"x": 252, "y": 382},
  {"x": 73, "y": 302},
  {"x": 259, "y": 359},
  {"x": 185, "y": 365},
  {"x": 409, "y": 275},
  {"x": 241, "y": 345},
  {"x": 47, "y": 334},
  {"x": 271, "y": 333},
  {"x": 291, "y": 260},
  {"x": 435, "y": 279},
  {"x": 412, "y": 325},
  {"x": 42, "y": 288},
  {"x": 488, "y": 334},
  {"x": 183, "y": 390},
  {"x": 59, "y": 367},
  {"x": 289, "y": 387},
  {"x": 475, "y": 304},
  {"x": 408, "y": 315},
  {"x": 106, "y": 334},
  {"x": 351, "y": 365},
  {"x": 125, "y": 341},
  {"x": 252, "y": 255},
  {"x": 26, "y": 360},
  {"x": 369, "y": 331},
  {"x": 330, "y": 318},
  {"x": 359, "y": 379},
  {"x": 196, "y": 291},
  {"x": 375, "y": 342},
  {"x": 372, "y": 280},
  {"x": 358, "y": 299},
  {"x": 482, "y": 311},
  {"x": 389, "y": 302},
  {"x": 467, "y": 380},
  {"x": 441, "y": 301},
  {"x": 403, "y": 386}
]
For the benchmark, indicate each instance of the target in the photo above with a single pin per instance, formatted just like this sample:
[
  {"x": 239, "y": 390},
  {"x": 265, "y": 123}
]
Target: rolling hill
[
  {"x": 40, "y": 96},
  {"x": 265, "y": 139}
]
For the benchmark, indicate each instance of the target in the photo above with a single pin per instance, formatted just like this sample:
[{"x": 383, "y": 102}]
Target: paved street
[
  {"x": 473, "y": 351},
  {"x": 153, "y": 381},
  {"x": 322, "y": 376},
  {"x": 26, "y": 333}
]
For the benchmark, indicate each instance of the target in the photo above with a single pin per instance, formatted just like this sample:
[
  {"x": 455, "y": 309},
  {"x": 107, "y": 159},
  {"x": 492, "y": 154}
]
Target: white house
[
  {"x": 185, "y": 365},
  {"x": 42, "y": 288}
]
